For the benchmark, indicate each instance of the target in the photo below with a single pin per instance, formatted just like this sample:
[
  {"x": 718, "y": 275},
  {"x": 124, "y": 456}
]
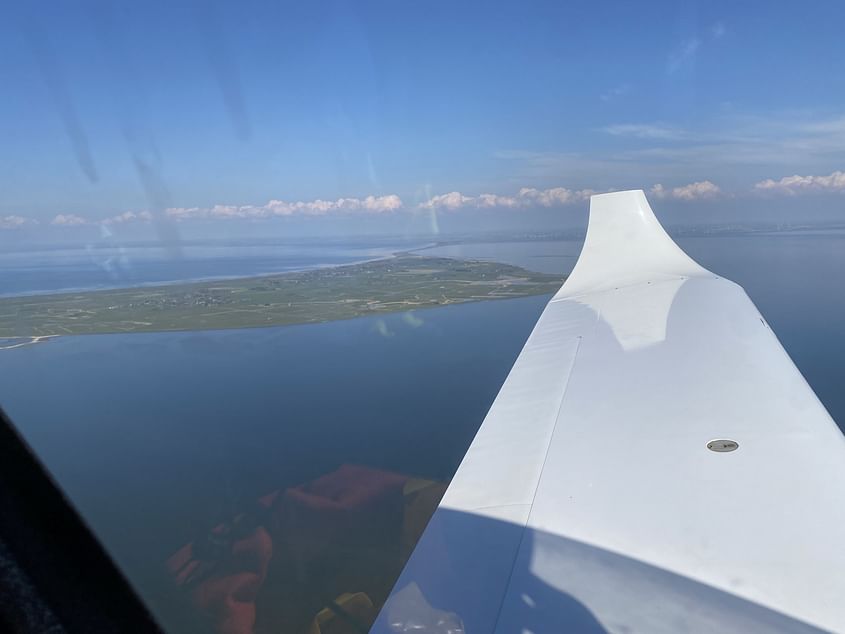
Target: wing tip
[
  {"x": 625, "y": 193},
  {"x": 625, "y": 244}
]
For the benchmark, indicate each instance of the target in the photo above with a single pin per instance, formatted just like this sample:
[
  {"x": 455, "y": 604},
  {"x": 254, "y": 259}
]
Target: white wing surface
[{"x": 590, "y": 501}]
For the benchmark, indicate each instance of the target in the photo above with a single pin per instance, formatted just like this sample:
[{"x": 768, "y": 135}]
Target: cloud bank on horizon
[
  {"x": 330, "y": 112},
  {"x": 526, "y": 198},
  {"x": 795, "y": 184}
]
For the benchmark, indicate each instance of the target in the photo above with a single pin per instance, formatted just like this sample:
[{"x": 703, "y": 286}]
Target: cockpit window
[{"x": 264, "y": 267}]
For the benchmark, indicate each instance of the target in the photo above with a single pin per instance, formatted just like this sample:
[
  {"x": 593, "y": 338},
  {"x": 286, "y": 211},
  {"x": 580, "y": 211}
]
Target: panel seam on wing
[{"x": 540, "y": 476}]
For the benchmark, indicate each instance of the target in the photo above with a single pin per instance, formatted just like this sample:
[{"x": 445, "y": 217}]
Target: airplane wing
[{"x": 653, "y": 463}]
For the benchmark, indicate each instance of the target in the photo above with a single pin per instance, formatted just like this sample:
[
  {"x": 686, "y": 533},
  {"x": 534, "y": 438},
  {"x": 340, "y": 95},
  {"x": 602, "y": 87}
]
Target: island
[{"x": 401, "y": 283}]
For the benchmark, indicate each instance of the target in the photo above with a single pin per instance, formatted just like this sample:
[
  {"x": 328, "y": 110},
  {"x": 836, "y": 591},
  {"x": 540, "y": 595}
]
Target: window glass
[{"x": 265, "y": 266}]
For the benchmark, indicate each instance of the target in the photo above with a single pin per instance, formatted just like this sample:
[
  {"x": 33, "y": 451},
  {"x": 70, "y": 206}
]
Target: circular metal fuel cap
[{"x": 722, "y": 445}]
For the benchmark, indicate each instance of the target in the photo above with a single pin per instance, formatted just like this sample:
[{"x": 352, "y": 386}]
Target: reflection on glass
[
  {"x": 320, "y": 557},
  {"x": 254, "y": 478}
]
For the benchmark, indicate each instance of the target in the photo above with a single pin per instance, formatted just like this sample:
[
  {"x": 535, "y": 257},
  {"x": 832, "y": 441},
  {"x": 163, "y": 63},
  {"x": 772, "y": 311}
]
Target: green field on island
[{"x": 401, "y": 283}]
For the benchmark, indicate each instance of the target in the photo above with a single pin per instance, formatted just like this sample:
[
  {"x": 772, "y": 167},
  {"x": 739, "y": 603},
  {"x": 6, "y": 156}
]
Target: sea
[
  {"x": 156, "y": 436},
  {"x": 98, "y": 266}
]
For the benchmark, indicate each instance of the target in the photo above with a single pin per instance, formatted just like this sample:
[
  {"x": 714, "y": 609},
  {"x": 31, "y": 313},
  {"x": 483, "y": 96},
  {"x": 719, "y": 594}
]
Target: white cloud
[
  {"x": 452, "y": 200},
  {"x": 693, "y": 191},
  {"x": 791, "y": 185},
  {"x": 553, "y": 197},
  {"x": 701, "y": 189},
  {"x": 491, "y": 201},
  {"x": 383, "y": 204},
  {"x": 184, "y": 213},
  {"x": 16, "y": 222},
  {"x": 646, "y": 131},
  {"x": 718, "y": 30},
  {"x": 128, "y": 216},
  {"x": 274, "y": 208},
  {"x": 68, "y": 220},
  {"x": 525, "y": 198}
]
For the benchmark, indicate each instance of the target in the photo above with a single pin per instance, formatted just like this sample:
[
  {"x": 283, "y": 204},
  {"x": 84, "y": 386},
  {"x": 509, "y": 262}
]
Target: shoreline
[
  {"x": 398, "y": 282},
  {"x": 36, "y": 339},
  {"x": 32, "y": 341}
]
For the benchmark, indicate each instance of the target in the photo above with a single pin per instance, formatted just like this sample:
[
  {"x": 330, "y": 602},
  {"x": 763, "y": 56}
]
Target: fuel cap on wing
[{"x": 723, "y": 445}]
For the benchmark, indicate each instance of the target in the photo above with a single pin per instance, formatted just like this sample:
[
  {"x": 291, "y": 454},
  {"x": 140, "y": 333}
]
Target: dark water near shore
[{"x": 151, "y": 433}]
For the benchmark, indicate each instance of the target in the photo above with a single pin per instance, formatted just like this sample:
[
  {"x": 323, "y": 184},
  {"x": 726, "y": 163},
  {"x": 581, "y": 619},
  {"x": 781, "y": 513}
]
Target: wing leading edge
[{"x": 589, "y": 498}]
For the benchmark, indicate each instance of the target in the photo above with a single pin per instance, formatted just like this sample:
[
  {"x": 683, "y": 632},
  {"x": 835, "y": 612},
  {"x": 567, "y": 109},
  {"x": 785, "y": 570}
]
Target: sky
[{"x": 177, "y": 119}]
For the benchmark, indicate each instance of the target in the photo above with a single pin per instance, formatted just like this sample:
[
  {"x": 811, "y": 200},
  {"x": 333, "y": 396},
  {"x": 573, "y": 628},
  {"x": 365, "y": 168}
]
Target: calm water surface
[
  {"x": 152, "y": 434},
  {"x": 99, "y": 266}
]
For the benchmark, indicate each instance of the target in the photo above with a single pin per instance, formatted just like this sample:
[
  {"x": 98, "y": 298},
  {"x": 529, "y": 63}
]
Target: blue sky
[{"x": 414, "y": 116}]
